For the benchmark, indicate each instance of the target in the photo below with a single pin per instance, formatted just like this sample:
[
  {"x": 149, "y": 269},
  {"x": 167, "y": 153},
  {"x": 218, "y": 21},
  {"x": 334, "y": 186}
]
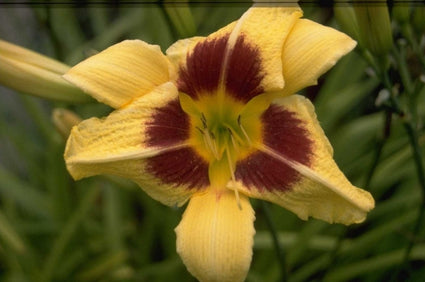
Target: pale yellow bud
[
  {"x": 32, "y": 73},
  {"x": 64, "y": 120}
]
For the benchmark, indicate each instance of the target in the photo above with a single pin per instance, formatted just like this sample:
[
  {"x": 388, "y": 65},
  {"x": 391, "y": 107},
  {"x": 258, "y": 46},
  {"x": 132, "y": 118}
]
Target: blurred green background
[{"x": 103, "y": 229}]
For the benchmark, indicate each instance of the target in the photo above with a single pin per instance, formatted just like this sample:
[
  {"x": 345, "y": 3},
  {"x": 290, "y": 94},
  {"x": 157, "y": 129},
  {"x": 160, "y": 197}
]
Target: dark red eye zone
[
  {"x": 205, "y": 66},
  {"x": 286, "y": 135},
  {"x": 170, "y": 126}
]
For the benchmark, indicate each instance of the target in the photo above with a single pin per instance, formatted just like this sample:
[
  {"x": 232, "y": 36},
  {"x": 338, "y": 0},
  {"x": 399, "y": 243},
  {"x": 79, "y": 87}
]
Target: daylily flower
[{"x": 213, "y": 122}]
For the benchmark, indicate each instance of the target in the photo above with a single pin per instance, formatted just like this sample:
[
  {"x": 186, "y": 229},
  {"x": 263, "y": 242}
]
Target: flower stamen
[
  {"x": 208, "y": 137},
  {"x": 204, "y": 121},
  {"x": 210, "y": 143},
  {"x": 232, "y": 173},
  {"x": 233, "y": 133},
  {"x": 235, "y": 146},
  {"x": 244, "y": 131}
]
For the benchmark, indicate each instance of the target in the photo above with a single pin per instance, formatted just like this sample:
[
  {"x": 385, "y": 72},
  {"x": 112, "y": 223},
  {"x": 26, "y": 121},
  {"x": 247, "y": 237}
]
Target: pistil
[{"x": 221, "y": 139}]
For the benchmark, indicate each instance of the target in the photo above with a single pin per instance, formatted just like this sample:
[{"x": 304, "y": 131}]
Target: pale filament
[
  {"x": 234, "y": 134},
  {"x": 210, "y": 143},
  {"x": 234, "y": 142},
  {"x": 244, "y": 131},
  {"x": 209, "y": 139},
  {"x": 232, "y": 173}
]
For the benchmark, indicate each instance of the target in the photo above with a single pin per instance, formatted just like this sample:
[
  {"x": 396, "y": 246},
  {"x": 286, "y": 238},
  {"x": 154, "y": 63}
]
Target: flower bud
[
  {"x": 401, "y": 11},
  {"x": 346, "y": 18},
  {"x": 181, "y": 16},
  {"x": 374, "y": 26},
  {"x": 64, "y": 120},
  {"x": 419, "y": 19},
  {"x": 32, "y": 73}
]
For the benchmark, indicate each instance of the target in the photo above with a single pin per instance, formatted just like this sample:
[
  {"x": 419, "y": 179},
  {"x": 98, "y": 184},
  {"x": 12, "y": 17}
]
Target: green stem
[
  {"x": 379, "y": 147},
  {"x": 413, "y": 138},
  {"x": 410, "y": 128},
  {"x": 408, "y": 34},
  {"x": 407, "y": 82},
  {"x": 273, "y": 233},
  {"x": 409, "y": 124},
  {"x": 403, "y": 69},
  {"x": 380, "y": 67}
]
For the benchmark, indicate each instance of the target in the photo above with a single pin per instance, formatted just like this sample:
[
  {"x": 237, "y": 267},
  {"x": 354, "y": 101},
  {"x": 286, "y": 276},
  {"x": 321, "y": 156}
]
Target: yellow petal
[
  {"x": 306, "y": 181},
  {"x": 121, "y": 145},
  {"x": 310, "y": 50},
  {"x": 215, "y": 237},
  {"x": 122, "y": 72},
  {"x": 240, "y": 61},
  {"x": 266, "y": 28}
]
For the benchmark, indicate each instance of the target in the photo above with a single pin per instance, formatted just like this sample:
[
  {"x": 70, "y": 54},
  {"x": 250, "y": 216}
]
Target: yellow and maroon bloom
[{"x": 214, "y": 122}]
